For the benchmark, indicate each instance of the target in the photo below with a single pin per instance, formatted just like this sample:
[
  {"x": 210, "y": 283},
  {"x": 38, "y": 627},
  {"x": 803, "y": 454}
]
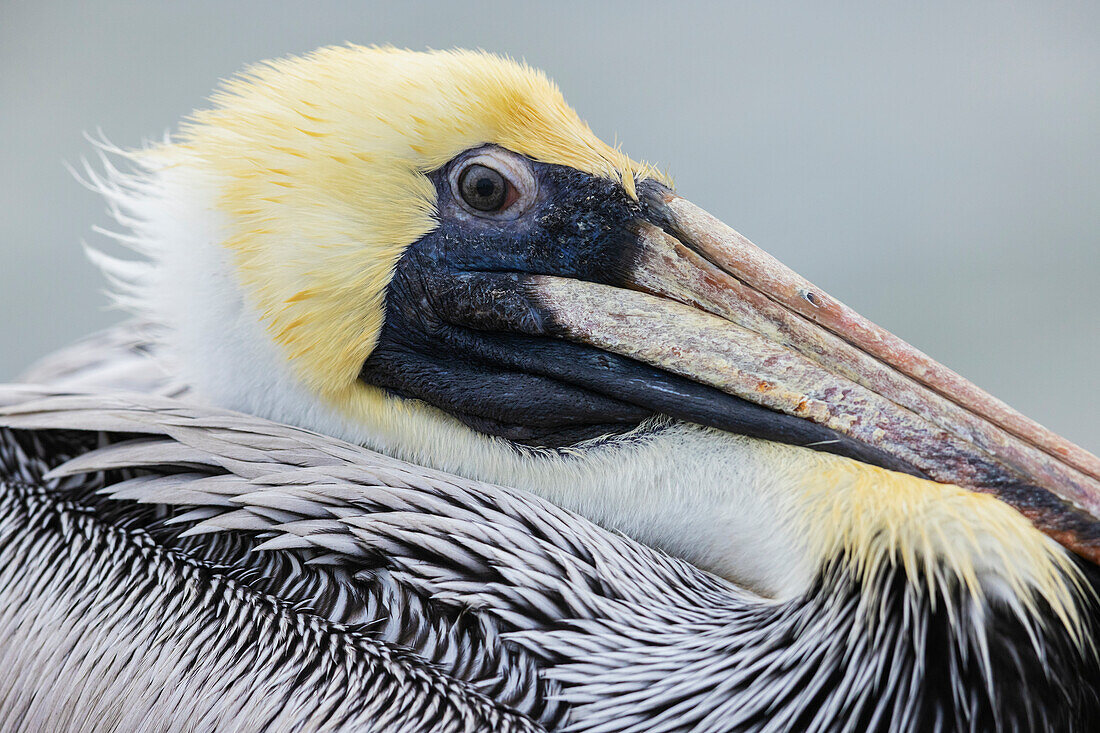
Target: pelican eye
[
  {"x": 493, "y": 184},
  {"x": 483, "y": 188}
]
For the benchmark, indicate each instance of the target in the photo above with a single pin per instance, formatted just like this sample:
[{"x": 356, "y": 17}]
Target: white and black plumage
[
  {"x": 397, "y": 596},
  {"x": 169, "y": 565}
]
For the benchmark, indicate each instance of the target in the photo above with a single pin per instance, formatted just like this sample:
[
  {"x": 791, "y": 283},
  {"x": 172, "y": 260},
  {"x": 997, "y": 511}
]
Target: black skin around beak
[{"x": 465, "y": 332}]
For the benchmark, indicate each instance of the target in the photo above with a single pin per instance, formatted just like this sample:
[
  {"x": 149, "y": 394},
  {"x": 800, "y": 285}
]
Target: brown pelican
[{"x": 442, "y": 414}]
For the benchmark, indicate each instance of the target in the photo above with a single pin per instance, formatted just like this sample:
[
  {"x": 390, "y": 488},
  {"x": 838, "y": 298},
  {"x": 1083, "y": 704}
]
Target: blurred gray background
[{"x": 935, "y": 166}]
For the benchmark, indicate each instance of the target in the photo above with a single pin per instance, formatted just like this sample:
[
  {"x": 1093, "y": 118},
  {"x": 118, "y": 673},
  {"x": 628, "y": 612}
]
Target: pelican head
[{"x": 431, "y": 255}]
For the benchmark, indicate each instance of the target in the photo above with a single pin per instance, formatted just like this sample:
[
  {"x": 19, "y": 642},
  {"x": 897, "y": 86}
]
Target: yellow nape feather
[
  {"x": 944, "y": 537},
  {"x": 320, "y": 162}
]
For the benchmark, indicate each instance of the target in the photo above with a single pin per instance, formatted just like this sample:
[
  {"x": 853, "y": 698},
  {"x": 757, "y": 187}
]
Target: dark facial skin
[
  {"x": 465, "y": 331},
  {"x": 462, "y": 334}
]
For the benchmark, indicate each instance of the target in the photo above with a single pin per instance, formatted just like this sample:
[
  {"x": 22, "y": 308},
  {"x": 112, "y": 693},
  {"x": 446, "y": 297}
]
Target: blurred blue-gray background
[{"x": 936, "y": 165}]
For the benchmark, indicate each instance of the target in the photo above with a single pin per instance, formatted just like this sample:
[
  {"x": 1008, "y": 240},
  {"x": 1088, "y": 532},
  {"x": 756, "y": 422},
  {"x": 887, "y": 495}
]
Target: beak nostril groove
[{"x": 809, "y": 297}]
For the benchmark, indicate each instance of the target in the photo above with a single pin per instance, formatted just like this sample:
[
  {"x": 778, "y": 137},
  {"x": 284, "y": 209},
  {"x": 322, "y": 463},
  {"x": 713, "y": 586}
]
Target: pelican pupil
[{"x": 483, "y": 188}]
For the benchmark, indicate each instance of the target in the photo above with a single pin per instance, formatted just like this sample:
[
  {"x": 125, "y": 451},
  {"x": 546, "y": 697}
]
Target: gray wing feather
[
  {"x": 119, "y": 358},
  {"x": 588, "y": 629}
]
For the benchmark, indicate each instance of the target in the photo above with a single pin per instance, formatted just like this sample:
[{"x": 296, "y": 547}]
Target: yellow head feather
[
  {"x": 320, "y": 162},
  {"x": 942, "y": 536}
]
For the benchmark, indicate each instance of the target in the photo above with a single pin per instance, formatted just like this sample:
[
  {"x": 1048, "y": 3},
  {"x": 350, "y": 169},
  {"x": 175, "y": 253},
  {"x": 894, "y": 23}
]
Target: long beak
[{"x": 706, "y": 304}]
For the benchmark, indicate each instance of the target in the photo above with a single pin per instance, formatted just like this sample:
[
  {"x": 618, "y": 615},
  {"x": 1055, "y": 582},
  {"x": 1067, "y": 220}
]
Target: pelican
[{"x": 439, "y": 413}]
